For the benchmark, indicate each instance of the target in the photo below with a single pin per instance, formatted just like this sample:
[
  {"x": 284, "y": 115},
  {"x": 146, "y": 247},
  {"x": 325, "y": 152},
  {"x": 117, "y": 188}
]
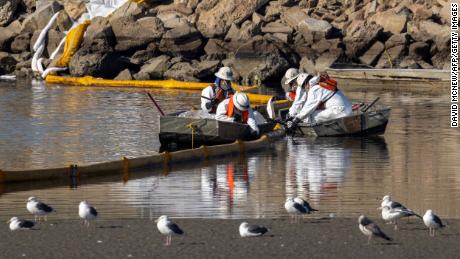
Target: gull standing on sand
[
  {"x": 38, "y": 208},
  {"x": 86, "y": 212},
  {"x": 167, "y": 228},
  {"x": 391, "y": 215},
  {"x": 247, "y": 230},
  {"x": 387, "y": 201},
  {"x": 297, "y": 206},
  {"x": 305, "y": 204},
  {"x": 432, "y": 221},
  {"x": 20, "y": 224},
  {"x": 370, "y": 229}
]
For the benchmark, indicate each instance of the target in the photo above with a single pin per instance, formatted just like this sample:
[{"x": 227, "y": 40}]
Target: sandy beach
[{"x": 206, "y": 238}]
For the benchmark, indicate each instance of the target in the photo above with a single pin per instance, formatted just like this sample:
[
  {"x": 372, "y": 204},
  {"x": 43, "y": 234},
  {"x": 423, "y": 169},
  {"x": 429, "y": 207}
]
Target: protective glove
[
  {"x": 254, "y": 133},
  {"x": 237, "y": 117},
  {"x": 292, "y": 124},
  {"x": 210, "y": 104},
  {"x": 289, "y": 118}
]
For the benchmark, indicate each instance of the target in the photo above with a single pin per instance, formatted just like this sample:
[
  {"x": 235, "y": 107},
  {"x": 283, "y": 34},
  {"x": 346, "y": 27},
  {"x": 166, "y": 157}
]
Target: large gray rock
[
  {"x": 397, "y": 39},
  {"x": 40, "y": 18},
  {"x": 307, "y": 65},
  {"x": 130, "y": 9},
  {"x": 360, "y": 36},
  {"x": 21, "y": 43},
  {"x": 390, "y": 21},
  {"x": 7, "y": 10},
  {"x": 75, "y": 8},
  {"x": 217, "y": 49},
  {"x": 181, "y": 71},
  {"x": 273, "y": 11},
  {"x": 124, "y": 75},
  {"x": 142, "y": 56},
  {"x": 244, "y": 33},
  {"x": 30, "y": 5},
  {"x": 100, "y": 28},
  {"x": 325, "y": 45},
  {"x": 370, "y": 57},
  {"x": 63, "y": 22},
  {"x": 253, "y": 71},
  {"x": 314, "y": 30},
  {"x": 205, "y": 5},
  {"x": 140, "y": 33},
  {"x": 154, "y": 69},
  {"x": 419, "y": 51},
  {"x": 392, "y": 57},
  {"x": 184, "y": 40},
  {"x": 192, "y": 4},
  {"x": 294, "y": 16},
  {"x": 53, "y": 40},
  {"x": 440, "y": 34},
  {"x": 326, "y": 60},
  {"x": 7, "y": 35},
  {"x": 7, "y": 63},
  {"x": 276, "y": 27},
  {"x": 172, "y": 19},
  {"x": 206, "y": 68},
  {"x": 96, "y": 58},
  {"x": 216, "y": 21}
]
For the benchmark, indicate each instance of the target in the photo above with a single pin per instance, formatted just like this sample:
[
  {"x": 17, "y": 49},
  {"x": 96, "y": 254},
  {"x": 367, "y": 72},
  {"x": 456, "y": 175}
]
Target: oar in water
[{"x": 156, "y": 104}]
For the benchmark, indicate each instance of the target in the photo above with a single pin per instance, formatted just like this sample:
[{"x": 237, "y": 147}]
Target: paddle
[
  {"x": 156, "y": 104},
  {"x": 370, "y": 105}
]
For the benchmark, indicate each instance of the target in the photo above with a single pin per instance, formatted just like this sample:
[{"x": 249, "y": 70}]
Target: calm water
[{"x": 44, "y": 126}]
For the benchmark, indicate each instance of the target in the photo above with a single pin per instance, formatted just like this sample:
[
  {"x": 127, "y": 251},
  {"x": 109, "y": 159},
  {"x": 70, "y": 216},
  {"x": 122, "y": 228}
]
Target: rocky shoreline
[{"x": 260, "y": 39}]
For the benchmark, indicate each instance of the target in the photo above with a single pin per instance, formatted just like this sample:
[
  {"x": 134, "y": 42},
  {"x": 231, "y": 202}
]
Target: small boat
[
  {"x": 360, "y": 123},
  {"x": 192, "y": 129}
]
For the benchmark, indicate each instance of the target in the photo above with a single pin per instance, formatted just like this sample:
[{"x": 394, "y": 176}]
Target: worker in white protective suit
[
  {"x": 324, "y": 101},
  {"x": 220, "y": 90},
  {"x": 300, "y": 95},
  {"x": 290, "y": 84},
  {"x": 238, "y": 109}
]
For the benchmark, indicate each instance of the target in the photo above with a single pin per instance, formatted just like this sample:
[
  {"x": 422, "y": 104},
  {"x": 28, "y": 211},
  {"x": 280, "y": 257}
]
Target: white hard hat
[
  {"x": 225, "y": 73},
  {"x": 301, "y": 78},
  {"x": 291, "y": 75},
  {"x": 241, "y": 101}
]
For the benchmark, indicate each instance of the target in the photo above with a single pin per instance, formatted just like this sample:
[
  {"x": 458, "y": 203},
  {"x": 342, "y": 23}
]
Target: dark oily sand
[{"x": 213, "y": 238}]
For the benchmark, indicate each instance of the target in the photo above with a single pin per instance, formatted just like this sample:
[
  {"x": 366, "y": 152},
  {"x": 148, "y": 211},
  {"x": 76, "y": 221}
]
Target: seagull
[
  {"x": 387, "y": 201},
  {"x": 167, "y": 228},
  {"x": 391, "y": 215},
  {"x": 432, "y": 221},
  {"x": 294, "y": 209},
  {"x": 247, "y": 230},
  {"x": 38, "y": 208},
  {"x": 370, "y": 229},
  {"x": 305, "y": 204},
  {"x": 20, "y": 224},
  {"x": 86, "y": 212}
]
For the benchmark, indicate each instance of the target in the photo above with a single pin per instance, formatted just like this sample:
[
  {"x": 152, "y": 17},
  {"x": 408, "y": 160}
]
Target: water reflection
[
  {"x": 316, "y": 167},
  {"x": 416, "y": 161}
]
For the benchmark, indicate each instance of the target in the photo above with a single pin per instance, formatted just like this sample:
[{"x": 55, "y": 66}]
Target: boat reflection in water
[
  {"x": 257, "y": 185},
  {"x": 316, "y": 167}
]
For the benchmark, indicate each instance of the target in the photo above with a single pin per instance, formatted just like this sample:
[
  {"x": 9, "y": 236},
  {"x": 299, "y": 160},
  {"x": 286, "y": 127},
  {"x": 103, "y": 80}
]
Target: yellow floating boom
[{"x": 167, "y": 84}]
